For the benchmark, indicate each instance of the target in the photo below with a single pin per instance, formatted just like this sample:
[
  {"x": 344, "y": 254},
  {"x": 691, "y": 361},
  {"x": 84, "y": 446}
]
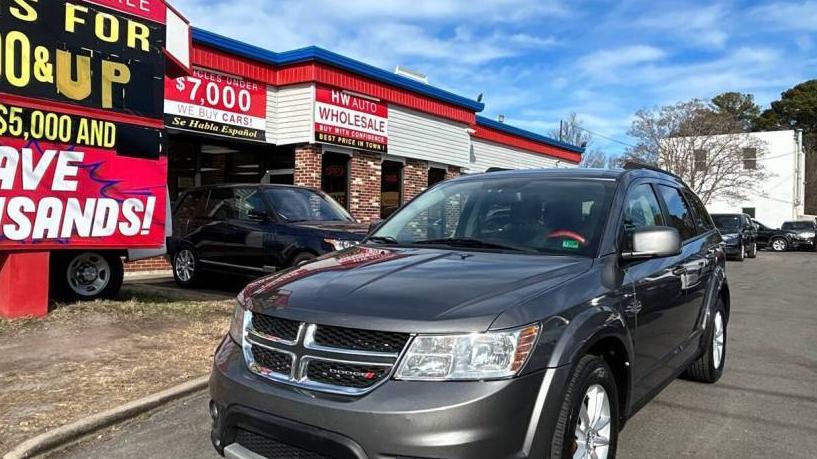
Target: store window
[
  {"x": 435, "y": 176},
  {"x": 391, "y": 186},
  {"x": 335, "y": 177}
]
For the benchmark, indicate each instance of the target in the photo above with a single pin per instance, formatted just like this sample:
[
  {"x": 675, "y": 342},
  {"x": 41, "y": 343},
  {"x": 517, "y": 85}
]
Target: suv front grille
[
  {"x": 275, "y": 327},
  {"x": 361, "y": 340},
  {"x": 339, "y": 360},
  {"x": 269, "y": 360},
  {"x": 272, "y": 448},
  {"x": 345, "y": 374}
]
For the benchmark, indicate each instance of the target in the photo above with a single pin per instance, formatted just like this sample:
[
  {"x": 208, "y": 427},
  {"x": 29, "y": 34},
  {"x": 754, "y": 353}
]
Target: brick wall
[
  {"x": 415, "y": 178},
  {"x": 149, "y": 264},
  {"x": 453, "y": 172},
  {"x": 308, "y": 165},
  {"x": 364, "y": 186}
]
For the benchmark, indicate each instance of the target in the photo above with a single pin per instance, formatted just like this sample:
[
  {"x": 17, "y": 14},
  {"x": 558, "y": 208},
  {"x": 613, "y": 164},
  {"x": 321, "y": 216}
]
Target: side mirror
[
  {"x": 654, "y": 242},
  {"x": 374, "y": 225}
]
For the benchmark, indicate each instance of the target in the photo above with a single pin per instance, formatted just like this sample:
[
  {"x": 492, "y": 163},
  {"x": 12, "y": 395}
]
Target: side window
[
  {"x": 249, "y": 204},
  {"x": 680, "y": 215},
  {"x": 192, "y": 205},
  {"x": 640, "y": 209},
  {"x": 702, "y": 219},
  {"x": 220, "y": 204}
]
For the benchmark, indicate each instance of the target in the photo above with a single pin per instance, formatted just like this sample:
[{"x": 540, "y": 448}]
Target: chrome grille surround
[{"x": 304, "y": 350}]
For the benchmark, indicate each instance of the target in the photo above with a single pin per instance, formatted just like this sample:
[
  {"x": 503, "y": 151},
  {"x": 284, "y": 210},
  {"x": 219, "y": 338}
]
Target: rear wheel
[
  {"x": 588, "y": 420},
  {"x": 86, "y": 275},
  {"x": 186, "y": 267},
  {"x": 709, "y": 366},
  {"x": 779, "y": 244}
]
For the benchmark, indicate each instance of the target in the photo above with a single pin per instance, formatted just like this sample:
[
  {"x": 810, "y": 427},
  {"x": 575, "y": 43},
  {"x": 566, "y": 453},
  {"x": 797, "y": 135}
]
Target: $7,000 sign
[{"x": 218, "y": 104}]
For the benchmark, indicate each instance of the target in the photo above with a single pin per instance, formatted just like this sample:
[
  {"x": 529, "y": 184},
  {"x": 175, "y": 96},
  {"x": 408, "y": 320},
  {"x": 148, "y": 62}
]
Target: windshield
[
  {"x": 300, "y": 205},
  {"x": 798, "y": 226},
  {"x": 558, "y": 216},
  {"x": 726, "y": 223}
]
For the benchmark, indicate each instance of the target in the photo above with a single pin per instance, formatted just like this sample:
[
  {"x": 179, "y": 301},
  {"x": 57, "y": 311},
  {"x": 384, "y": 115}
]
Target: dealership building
[{"x": 370, "y": 138}]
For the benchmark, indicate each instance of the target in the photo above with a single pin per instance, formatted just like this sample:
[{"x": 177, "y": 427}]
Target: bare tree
[
  {"x": 572, "y": 131},
  {"x": 706, "y": 149}
]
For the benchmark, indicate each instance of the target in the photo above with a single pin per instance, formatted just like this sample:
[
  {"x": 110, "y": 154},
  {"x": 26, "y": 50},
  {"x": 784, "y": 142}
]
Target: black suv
[
  {"x": 793, "y": 235},
  {"x": 522, "y": 314},
  {"x": 255, "y": 229},
  {"x": 739, "y": 235}
]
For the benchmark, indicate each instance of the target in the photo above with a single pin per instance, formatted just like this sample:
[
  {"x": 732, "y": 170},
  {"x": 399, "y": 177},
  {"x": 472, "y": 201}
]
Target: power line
[{"x": 604, "y": 136}]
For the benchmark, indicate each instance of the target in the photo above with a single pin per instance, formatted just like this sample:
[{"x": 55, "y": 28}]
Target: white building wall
[
  {"x": 417, "y": 135},
  {"x": 487, "y": 154},
  {"x": 780, "y": 197},
  {"x": 292, "y": 111}
]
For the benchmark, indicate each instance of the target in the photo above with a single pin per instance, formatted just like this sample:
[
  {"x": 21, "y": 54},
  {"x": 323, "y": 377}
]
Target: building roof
[
  {"x": 314, "y": 53},
  {"x": 496, "y": 125}
]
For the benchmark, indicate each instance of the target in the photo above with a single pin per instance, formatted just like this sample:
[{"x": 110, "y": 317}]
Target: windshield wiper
[
  {"x": 383, "y": 239},
  {"x": 475, "y": 243}
]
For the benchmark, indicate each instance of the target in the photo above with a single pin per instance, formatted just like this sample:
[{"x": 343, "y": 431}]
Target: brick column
[
  {"x": 415, "y": 178},
  {"x": 453, "y": 172},
  {"x": 308, "y": 164},
  {"x": 364, "y": 186}
]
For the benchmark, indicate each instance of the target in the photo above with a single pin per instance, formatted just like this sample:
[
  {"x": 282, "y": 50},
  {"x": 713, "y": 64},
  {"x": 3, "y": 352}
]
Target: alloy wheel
[
  {"x": 593, "y": 428},
  {"x": 185, "y": 265},
  {"x": 779, "y": 245},
  {"x": 88, "y": 274},
  {"x": 718, "y": 341}
]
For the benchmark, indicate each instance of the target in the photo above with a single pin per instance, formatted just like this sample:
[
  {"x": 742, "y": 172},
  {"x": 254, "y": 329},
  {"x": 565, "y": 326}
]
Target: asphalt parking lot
[{"x": 765, "y": 405}]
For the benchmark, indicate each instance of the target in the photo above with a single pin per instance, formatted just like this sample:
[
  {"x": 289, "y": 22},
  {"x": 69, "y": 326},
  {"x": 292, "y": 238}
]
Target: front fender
[{"x": 587, "y": 328}]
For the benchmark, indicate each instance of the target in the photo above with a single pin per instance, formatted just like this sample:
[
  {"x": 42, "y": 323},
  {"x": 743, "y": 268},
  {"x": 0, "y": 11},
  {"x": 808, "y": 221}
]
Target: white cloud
[
  {"x": 615, "y": 59},
  {"x": 694, "y": 24},
  {"x": 788, "y": 16}
]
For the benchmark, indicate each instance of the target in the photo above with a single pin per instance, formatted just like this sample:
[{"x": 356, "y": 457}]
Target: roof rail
[
  {"x": 497, "y": 169},
  {"x": 630, "y": 165}
]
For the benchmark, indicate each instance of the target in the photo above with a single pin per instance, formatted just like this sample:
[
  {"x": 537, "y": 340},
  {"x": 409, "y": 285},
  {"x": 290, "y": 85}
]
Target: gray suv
[{"x": 521, "y": 314}]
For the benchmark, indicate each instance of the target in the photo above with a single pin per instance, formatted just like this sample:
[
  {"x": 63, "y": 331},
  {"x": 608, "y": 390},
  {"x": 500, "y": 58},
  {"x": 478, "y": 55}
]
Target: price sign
[{"x": 216, "y": 103}]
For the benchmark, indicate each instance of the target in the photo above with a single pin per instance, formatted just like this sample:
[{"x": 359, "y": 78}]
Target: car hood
[
  {"x": 358, "y": 229},
  {"x": 410, "y": 289}
]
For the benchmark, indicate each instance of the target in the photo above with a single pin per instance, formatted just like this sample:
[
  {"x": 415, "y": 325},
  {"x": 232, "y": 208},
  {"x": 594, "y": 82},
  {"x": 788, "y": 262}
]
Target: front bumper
[{"x": 400, "y": 419}]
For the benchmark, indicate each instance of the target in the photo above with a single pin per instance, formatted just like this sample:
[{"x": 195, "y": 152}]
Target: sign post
[{"x": 82, "y": 156}]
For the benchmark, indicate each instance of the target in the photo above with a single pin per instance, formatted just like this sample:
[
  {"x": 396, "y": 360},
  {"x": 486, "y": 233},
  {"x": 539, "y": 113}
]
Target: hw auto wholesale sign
[
  {"x": 81, "y": 130},
  {"x": 343, "y": 118},
  {"x": 216, "y": 103}
]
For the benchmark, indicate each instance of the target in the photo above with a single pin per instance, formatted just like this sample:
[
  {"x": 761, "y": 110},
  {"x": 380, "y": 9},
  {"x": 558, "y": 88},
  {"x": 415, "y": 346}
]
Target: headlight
[
  {"x": 238, "y": 326},
  {"x": 806, "y": 235},
  {"x": 474, "y": 356},
  {"x": 340, "y": 244},
  {"x": 730, "y": 237}
]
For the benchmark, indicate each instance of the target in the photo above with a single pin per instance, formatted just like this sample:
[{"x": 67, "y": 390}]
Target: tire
[
  {"x": 741, "y": 253},
  {"x": 779, "y": 244},
  {"x": 591, "y": 373},
  {"x": 302, "y": 258},
  {"x": 86, "y": 275},
  {"x": 752, "y": 251},
  {"x": 185, "y": 263},
  {"x": 708, "y": 368}
]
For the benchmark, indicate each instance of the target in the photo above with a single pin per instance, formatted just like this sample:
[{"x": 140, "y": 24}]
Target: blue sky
[{"x": 538, "y": 60}]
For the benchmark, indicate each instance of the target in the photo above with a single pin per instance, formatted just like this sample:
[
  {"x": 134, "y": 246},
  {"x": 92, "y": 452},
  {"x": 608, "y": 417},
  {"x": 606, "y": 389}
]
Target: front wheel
[
  {"x": 741, "y": 253},
  {"x": 588, "y": 420},
  {"x": 752, "y": 251},
  {"x": 86, "y": 275}
]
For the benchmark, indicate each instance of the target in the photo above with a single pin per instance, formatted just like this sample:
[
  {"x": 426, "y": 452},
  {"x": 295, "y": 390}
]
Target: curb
[{"x": 60, "y": 436}]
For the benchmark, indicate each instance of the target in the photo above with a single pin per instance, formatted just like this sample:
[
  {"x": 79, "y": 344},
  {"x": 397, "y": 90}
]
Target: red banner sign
[
  {"x": 154, "y": 10},
  {"x": 57, "y": 198},
  {"x": 217, "y": 103},
  {"x": 350, "y": 120}
]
